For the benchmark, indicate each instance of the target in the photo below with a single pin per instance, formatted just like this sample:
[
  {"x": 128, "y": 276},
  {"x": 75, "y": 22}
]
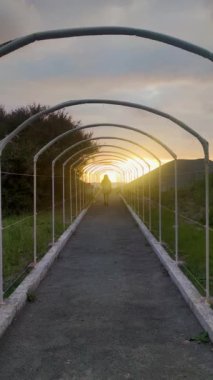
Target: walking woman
[{"x": 106, "y": 188}]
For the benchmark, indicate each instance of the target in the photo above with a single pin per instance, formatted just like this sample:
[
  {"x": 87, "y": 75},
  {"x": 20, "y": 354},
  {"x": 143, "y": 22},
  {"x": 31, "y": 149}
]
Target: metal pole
[
  {"x": 207, "y": 225},
  {"x": 143, "y": 202},
  {"x": 135, "y": 190},
  {"x": 80, "y": 194},
  {"x": 63, "y": 195},
  {"x": 76, "y": 194},
  {"x": 176, "y": 213},
  {"x": 20, "y": 42},
  {"x": 1, "y": 244},
  {"x": 160, "y": 205},
  {"x": 84, "y": 184},
  {"x": 129, "y": 188},
  {"x": 138, "y": 195},
  {"x": 71, "y": 208},
  {"x": 35, "y": 211},
  {"x": 150, "y": 205},
  {"x": 53, "y": 204}
]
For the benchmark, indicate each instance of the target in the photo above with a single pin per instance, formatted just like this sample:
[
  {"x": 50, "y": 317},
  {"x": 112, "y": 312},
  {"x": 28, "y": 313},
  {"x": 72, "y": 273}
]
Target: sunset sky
[{"x": 116, "y": 67}]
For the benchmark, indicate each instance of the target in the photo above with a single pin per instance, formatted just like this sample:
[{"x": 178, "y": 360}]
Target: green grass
[
  {"x": 191, "y": 244},
  {"x": 18, "y": 243}
]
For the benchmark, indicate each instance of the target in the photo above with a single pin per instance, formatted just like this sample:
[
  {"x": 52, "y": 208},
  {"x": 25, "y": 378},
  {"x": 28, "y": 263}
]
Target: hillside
[{"x": 189, "y": 171}]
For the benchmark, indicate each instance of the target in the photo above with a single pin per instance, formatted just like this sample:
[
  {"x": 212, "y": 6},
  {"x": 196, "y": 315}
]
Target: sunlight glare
[{"x": 111, "y": 174}]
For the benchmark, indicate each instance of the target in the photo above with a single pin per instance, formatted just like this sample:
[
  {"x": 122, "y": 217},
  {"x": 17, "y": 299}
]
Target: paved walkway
[{"x": 107, "y": 310}]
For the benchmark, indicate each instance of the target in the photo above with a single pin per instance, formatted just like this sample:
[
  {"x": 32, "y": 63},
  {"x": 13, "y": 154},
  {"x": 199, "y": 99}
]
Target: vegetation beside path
[{"x": 191, "y": 228}]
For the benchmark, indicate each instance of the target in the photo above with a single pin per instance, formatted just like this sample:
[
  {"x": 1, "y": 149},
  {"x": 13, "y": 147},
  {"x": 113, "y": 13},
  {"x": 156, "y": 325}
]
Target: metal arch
[
  {"x": 141, "y": 147},
  {"x": 20, "y": 42},
  {"x": 63, "y": 181},
  {"x": 126, "y": 170},
  {"x": 108, "y": 165},
  {"x": 64, "y": 164},
  {"x": 80, "y": 151},
  {"x": 160, "y": 221},
  {"x": 203, "y": 142},
  {"x": 105, "y": 166},
  {"x": 141, "y": 159},
  {"x": 71, "y": 103},
  {"x": 109, "y": 160},
  {"x": 98, "y": 171},
  {"x": 115, "y": 125},
  {"x": 63, "y": 173},
  {"x": 94, "y": 126},
  {"x": 119, "y": 155},
  {"x": 101, "y": 125},
  {"x": 75, "y": 145},
  {"x": 94, "y": 170},
  {"x": 53, "y": 195},
  {"x": 76, "y": 193},
  {"x": 114, "y": 155},
  {"x": 136, "y": 186},
  {"x": 44, "y": 148},
  {"x": 17, "y": 43}
]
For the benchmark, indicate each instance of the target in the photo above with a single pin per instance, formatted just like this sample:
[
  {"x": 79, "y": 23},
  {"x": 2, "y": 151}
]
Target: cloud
[
  {"x": 118, "y": 67},
  {"x": 17, "y": 17}
]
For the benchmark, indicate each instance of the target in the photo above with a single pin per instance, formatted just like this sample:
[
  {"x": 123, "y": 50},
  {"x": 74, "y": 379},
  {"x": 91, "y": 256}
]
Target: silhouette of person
[{"x": 106, "y": 188}]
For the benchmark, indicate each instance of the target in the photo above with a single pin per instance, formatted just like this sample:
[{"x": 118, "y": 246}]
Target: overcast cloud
[{"x": 127, "y": 68}]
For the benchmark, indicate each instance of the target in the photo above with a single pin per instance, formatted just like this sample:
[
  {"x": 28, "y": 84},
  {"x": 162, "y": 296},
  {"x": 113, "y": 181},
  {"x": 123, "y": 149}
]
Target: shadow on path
[{"x": 106, "y": 310}]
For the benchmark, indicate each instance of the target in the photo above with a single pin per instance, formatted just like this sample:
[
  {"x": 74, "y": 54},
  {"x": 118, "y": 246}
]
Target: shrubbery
[{"x": 18, "y": 156}]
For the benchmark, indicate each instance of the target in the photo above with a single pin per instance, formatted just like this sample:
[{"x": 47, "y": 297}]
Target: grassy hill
[{"x": 189, "y": 171}]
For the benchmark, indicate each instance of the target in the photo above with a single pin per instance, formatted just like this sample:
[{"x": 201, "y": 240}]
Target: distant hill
[{"x": 189, "y": 171}]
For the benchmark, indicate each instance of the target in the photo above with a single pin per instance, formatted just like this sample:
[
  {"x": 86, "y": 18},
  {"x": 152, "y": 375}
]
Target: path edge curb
[
  {"x": 196, "y": 302},
  {"x": 13, "y": 304}
]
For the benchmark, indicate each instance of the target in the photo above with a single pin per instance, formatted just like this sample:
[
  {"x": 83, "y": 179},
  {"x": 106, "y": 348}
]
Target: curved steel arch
[
  {"x": 72, "y": 146},
  {"x": 109, "y": 154},
  {"x": 108, "y": 166},
  {"x": 114, "y": 125},
  {"x": 114, "y": 154},
  {"x": 74, "y": 155},
  {"x": 117, "y": 138},
  {"x": 20, "y": 42},
  {"x": 53, "y": 191},
  {"x": 72, "y": 103},
  {"x": 125, "y": 156},
  {"x": 107, "y": 162},
  {"x": 203, "y": 142},
  {"x": 100, "y": 125},
  {"x": 80, "y": 151},
  {"x": 75, "y": 145},
  {"x": 64, "y": 164},
  {"x": 76, "y": 192},
  {"x": 17, "y": 43},
  {"x": 104, "y": 168},
  {"x": 108, "y": 158}
]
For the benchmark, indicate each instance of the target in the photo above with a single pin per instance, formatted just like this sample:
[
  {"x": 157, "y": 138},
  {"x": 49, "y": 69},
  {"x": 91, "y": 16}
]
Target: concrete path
[{"x": 107, "y": 310}]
